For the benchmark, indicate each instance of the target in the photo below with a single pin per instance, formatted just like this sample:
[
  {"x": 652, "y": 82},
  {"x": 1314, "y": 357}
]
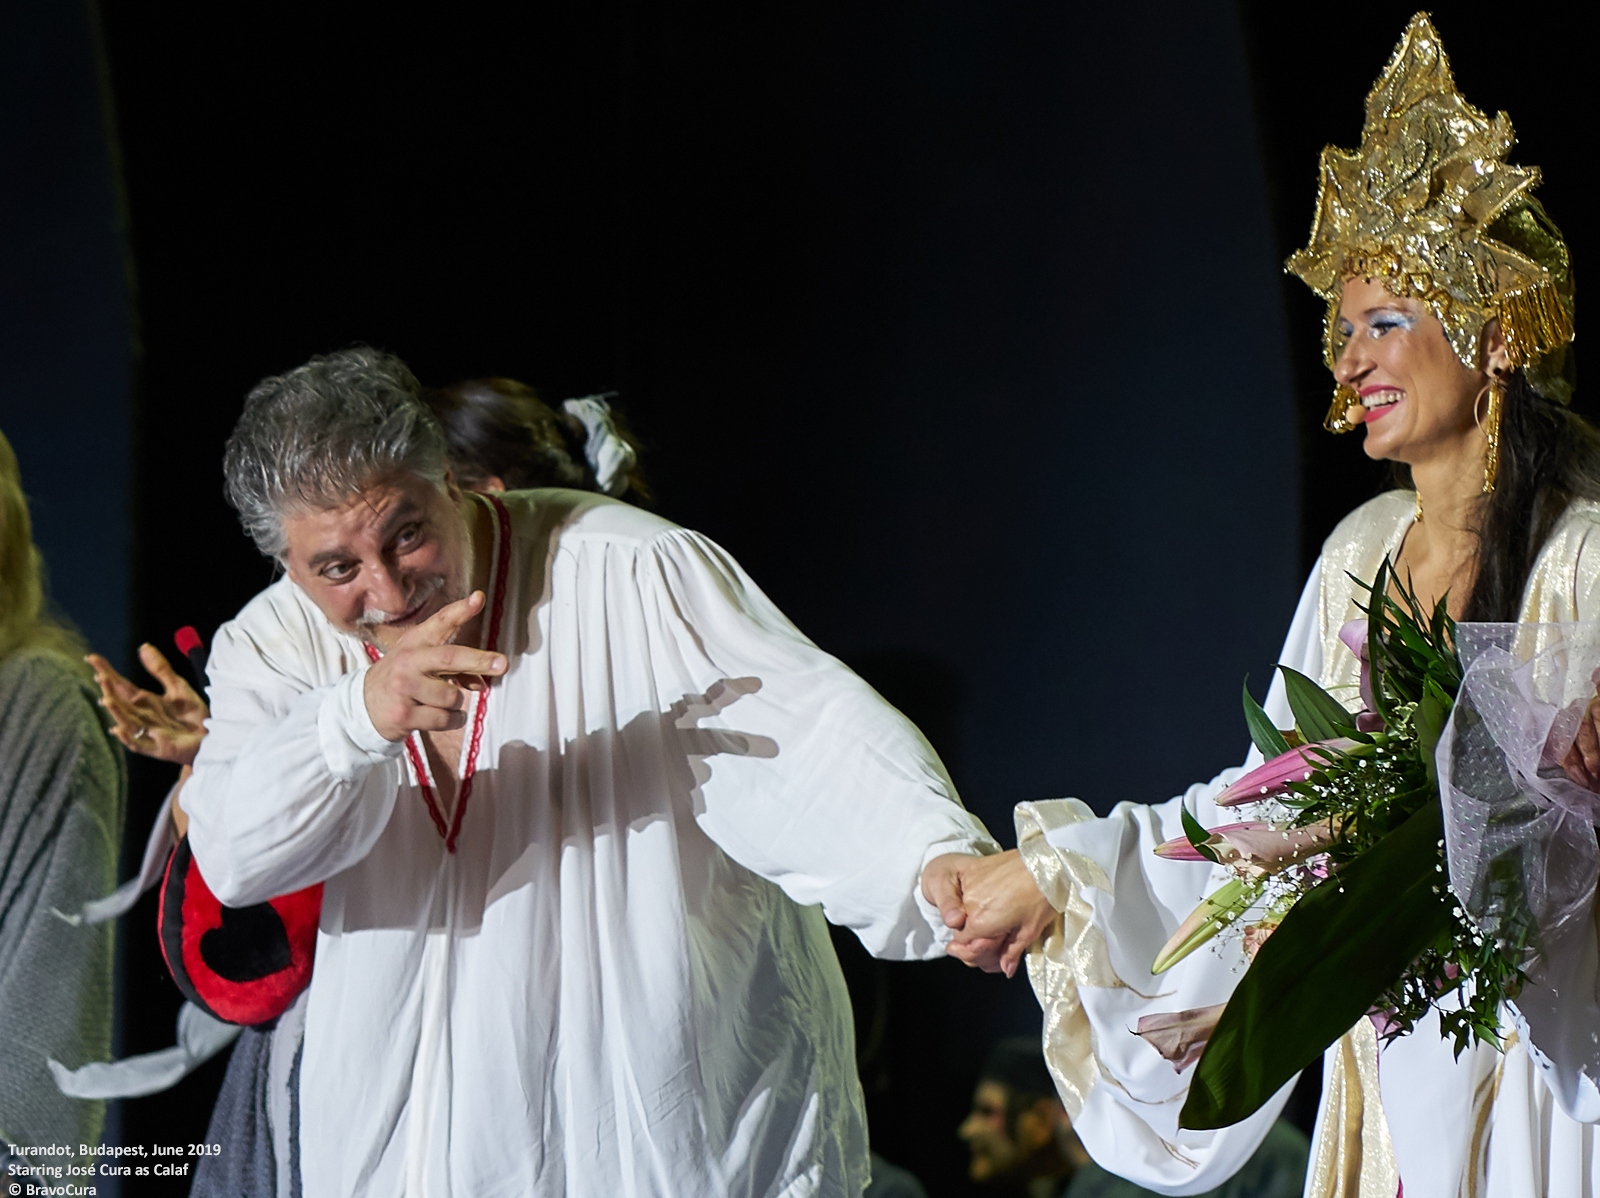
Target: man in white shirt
[{"x": 581, "y": 797}]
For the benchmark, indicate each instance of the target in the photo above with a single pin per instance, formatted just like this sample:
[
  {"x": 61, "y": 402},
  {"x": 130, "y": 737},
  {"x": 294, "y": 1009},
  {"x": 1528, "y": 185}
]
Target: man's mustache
[{"x": 423, "y": 593}]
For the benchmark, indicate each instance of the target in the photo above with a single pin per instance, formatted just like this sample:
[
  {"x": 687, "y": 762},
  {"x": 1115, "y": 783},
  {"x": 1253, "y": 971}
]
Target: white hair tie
[{"x": 609, "y": 456}]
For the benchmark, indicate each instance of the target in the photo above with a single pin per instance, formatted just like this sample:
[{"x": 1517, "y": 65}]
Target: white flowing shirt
[{"x": 620, "y": 983}]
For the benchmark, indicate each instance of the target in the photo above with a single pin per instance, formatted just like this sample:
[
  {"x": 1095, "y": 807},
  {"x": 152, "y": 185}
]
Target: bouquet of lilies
[{"x": 1339, "y": 883}]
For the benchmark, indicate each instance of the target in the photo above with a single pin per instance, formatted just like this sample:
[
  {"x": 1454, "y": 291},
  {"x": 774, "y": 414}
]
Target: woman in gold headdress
[{"x": 1450, "y": 321}]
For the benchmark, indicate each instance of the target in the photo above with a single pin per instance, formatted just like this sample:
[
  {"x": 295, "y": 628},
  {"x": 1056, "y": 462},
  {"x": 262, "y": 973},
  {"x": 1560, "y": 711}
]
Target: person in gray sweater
[{"x": 62, "y": 797}]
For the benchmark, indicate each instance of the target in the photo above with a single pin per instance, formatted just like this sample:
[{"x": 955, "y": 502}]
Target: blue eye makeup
[{"x": 1384, "y": 322}]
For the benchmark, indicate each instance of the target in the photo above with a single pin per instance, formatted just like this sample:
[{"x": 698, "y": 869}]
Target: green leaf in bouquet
[
  {"x": 1317, "y": 714},
  {"x": 1336, "y": 951},
  {"x": 1198, "y": 834},
  {"x": 1442, "y": 626},
  {"x": 1405, "y": 643},
  {"x": 1264, "y": 733},
  {"x": 1433, "y": 710}
]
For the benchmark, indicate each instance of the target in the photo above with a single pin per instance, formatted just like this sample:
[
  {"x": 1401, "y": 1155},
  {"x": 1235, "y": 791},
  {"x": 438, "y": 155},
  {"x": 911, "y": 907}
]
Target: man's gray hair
[{"x": 310, "y": 439}]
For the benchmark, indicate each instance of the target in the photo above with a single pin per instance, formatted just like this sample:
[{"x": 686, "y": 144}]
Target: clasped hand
[
  {"x": 997, "y": 911},
  {"x": 1582, "y": 762},
  {"x": 992, "y": 904},
  {"x": 421, "y": 684}
]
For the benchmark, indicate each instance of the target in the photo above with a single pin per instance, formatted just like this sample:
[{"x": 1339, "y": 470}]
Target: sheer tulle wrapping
[{"x": 1519, "y": 833}]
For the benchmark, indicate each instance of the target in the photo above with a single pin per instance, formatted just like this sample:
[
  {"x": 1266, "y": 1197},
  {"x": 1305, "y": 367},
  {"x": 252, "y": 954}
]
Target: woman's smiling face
[{"x": 1418, "y": 398}]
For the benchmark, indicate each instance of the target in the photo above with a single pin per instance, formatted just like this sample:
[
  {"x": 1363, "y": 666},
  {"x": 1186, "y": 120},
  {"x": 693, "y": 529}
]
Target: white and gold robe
[{"x": 1507, "y": 1125}]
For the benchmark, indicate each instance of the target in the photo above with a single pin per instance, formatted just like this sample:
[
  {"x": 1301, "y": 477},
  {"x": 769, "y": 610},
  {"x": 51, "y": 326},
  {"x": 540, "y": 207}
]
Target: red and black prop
[{"x": 239, "y": 964}]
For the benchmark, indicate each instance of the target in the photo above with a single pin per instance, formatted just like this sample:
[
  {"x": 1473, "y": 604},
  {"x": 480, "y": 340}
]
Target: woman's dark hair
[
  {"x": 1549, "y": 456},
  {"x": 501, "y": 428}
]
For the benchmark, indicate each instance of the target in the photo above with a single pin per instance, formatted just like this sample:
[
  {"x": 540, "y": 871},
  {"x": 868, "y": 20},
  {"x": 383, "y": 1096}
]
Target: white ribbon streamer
[
  {"x": 200, "y": 1037},
  {"x": 1519, "y": 833},
  {"x": 609, "y": 456}
]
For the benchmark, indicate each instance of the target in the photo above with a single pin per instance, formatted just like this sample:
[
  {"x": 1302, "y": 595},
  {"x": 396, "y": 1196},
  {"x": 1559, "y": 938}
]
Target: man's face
[
  {"x": 384, "y": 560},
  {"x": 994, "y": 1153}
]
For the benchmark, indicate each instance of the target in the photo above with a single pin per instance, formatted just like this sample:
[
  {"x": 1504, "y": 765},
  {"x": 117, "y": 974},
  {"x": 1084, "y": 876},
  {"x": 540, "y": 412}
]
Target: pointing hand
[{"x": 421, "y": 683}]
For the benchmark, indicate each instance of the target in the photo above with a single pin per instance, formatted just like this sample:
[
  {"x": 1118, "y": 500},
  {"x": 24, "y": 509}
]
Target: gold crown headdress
[{"x": 1429, "y": 207}]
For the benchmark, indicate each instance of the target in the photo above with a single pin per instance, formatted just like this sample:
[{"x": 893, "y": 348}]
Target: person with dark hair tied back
[
  {"x": 503, "y": 437},
  {"x": 62, "y": 793}
]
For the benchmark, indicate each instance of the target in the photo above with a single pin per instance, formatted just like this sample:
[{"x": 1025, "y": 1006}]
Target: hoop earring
[
  {"x": 1336, "y": 421},
  {"x": 1490, "y": 427}
]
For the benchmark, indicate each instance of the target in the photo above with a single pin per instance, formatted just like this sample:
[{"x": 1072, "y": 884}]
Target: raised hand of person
[
  {"x": 992, "y": 904},
  {"x": 1582, "y": 762},
  {"x": 421, "y": 684},
  {"x": 168, "y": 726}
]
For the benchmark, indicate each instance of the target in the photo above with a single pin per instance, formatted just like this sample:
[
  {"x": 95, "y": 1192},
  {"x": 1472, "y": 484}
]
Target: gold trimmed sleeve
[{"x": 1072, "y": 953}]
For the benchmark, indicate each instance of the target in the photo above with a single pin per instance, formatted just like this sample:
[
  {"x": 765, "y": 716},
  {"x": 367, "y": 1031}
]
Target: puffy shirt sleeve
[
  {"x": 805, "y": 775},
  {"x": 293, "y": 783},
  {"x": 1120, "y": 903}
]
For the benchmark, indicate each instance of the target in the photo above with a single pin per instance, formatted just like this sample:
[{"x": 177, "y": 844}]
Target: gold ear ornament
[
  {"x": 1490, "y": 424},
  {"x": 1338, "y": 418}
]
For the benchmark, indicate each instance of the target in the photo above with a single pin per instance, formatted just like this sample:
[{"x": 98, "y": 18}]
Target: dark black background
[{"x": 959, "y": 324}]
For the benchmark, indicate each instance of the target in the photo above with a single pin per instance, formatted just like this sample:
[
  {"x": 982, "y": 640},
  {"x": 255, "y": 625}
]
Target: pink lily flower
[
  {"x": 1273, "y": 778},
  {"x": 1180, "y": 1037},
  {"x": 1354, "y": 636},
  {"x": 1255, "y": 849},
  {"x": 1179, "y": 848},
  {"x": 1384, "y": 1023}
]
